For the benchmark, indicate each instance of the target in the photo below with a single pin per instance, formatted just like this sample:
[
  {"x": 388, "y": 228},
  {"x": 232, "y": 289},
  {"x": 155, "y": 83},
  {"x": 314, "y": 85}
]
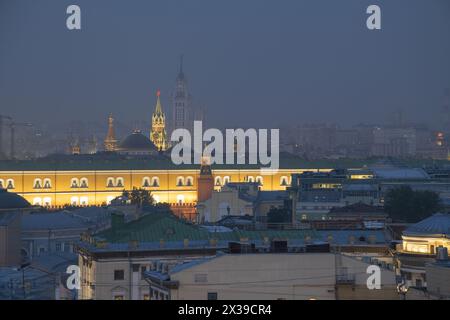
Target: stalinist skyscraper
[{"x": 181, "y": 102}]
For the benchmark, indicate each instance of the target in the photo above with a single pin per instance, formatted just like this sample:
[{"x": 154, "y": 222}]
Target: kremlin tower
[
  {"x": 110, "y": 141},
  {"x": 158, "y": 133}
]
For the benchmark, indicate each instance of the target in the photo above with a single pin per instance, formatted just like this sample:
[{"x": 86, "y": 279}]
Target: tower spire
[
  {"x": 158, "y": 130},
  {"x": 110, "y": 141}
]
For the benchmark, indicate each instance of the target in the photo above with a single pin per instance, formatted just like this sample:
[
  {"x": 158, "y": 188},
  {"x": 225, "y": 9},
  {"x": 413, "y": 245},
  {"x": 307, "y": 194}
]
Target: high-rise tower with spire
[
  {"x": 158, "y": 133},
  {"x": 181, "y": 101},
  {"x": 110, "y": 141}
]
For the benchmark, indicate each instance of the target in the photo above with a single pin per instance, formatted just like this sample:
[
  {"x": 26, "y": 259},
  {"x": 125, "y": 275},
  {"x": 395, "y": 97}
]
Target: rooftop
[{"x": 437, "y": 225}]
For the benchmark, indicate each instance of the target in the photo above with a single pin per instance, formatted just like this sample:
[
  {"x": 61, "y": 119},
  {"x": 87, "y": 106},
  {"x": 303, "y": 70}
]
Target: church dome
[
  {"x": 9, "y": 200},
  {"x": 137, "y": 142}
]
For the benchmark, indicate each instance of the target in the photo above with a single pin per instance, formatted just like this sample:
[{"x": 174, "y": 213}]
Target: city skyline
[{"x": 290, "y": 63}]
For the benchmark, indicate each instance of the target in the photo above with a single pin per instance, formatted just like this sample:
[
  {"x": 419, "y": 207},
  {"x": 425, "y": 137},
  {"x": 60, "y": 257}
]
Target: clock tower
[{"x": 158, "y": 131}]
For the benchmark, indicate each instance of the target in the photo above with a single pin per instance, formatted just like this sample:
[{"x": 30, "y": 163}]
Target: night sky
[{"x": 261, "y": 63}]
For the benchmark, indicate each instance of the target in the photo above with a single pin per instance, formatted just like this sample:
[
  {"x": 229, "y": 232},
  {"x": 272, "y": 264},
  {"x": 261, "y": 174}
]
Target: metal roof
[{"x": 437, "y": 225}]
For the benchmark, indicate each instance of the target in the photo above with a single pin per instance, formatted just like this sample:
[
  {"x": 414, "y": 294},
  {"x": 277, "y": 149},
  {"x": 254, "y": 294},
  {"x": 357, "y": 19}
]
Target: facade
[
  {"x": 274, "y": 276},
  {"x": 84, "y": 180},
  {"x": 420, "y": 245}
]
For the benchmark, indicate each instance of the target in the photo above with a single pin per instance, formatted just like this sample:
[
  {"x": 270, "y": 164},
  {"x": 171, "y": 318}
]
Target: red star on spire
[{"x": 158, "y": 93}]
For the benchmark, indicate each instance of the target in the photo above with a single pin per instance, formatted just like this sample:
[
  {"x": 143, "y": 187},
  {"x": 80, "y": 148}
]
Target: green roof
[
  {"x": 156, "y": 226},
  {"x": 113, "y": 161}
]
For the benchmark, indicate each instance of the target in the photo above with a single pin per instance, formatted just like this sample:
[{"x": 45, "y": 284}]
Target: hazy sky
[{"x": 249, "y": 62}]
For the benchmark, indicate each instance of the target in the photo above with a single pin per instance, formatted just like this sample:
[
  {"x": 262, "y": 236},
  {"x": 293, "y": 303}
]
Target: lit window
[
  {"x": 84, "y": 183},
  {"x": 180, "y": 181},
  {"x": 180, "y": 199},
  {"x": 47, "y": 201},
  {"x": 283, "y": 181},
  {"x": 37, "y": 184},
  {"x": 155, "y": 182},
  {"x": 218, "y": 181},
  {"x": 189, "y": 181},
  {"x": 37, "y": 201},
  {"x": 146, "y": 182},
  {"x": 74, "y": 183},
  {"x": 110, "y": 183},
  {"x": 119, "y": 182},
  {"x": 10, "y": 184},
  {"x": 74, "y": 201},
  {"x": 250, "y": 179},
  {"x": 84, "y": 201},
  {"x": 1, "y": 184},
  {"x": 47, "y": 184}
]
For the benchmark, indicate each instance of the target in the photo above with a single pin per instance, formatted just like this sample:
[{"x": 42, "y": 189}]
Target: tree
[
  {"x": 278, "y": 215},
  {"x": 405, "y": 204},
  {"x": 140, "y": 197}
]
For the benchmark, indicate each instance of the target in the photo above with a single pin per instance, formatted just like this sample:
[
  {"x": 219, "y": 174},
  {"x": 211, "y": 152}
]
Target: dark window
[
  {"x": 212, "y": 295},
  {"x": 119, "y": 274}
]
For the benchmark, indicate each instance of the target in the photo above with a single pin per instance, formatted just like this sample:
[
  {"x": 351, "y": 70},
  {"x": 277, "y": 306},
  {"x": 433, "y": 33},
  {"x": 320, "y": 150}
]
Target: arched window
[
  {"x": 189, "y": 181},
  {"x": 226, "y": 180},
  {"x": 260, "y": 180},
  {"x": 37, "y": 201},
  {"x": 37, "y": 184},
  {"x": 47, "y": 184},
  {"x": 10, "y": 184},
  {"x": 119, "y": 182},
  {"x": 180, "y": 181},
  {"x": 284, "y": 181},
  {"x": 218, "y": 181},
  {"x": 250, "y": 179},
  {"x": 110, "y": 182},
  {"x": 2, "y": 184},
  {"x": 146, "y": 182},
  {"x": 84, "y": 201},
  {"x": 74, "y": 183},
  {"x": 109, "y": 199},
  {"x": 180, "y": 199},
  {"x": 84, "y": 183},
  {"x": 74, "y": 201},
  {"x": 155, "y": 182},
  {"x": 47, "y": 201}
]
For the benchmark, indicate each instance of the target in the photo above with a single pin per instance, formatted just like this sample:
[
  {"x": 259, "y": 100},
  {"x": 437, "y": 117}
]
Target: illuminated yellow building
[
  {"x": 420, "y": 246},
  {"x": 97, "y": 179}
]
